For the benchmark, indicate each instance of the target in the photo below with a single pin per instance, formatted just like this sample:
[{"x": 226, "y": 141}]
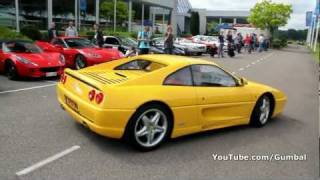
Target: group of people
[
  {"x": 143, "y": 38},
  {"x": 71, "y": 31},
  {"x": 251, "y": 42}
]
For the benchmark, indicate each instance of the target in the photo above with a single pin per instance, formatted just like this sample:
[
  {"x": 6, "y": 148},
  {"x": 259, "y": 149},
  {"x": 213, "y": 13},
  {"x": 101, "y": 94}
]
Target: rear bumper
[{"x": 106, "y": 122}]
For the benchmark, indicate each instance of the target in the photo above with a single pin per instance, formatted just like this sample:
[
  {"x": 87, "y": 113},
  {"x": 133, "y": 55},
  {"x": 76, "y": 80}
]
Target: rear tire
[
  {"x": 11, "y": 71},
  {"x": 262, "y": 112},
  {"x": 149, "y": 127},
  {"x": 80, "y": 62}
]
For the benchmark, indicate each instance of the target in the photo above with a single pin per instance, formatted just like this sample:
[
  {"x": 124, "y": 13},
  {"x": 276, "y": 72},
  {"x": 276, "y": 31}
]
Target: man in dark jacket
[
  {"x": 52, "y": 32},
  {"x": 98, "y": 35}
]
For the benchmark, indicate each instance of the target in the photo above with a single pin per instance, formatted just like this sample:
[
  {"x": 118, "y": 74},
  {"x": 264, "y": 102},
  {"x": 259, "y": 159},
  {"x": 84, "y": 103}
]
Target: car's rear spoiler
[{"x": 84, "y": 79}]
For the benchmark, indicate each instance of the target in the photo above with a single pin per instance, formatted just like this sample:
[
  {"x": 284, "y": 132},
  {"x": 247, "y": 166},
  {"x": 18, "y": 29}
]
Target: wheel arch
[
  {"x": 155, "y": 102},
  {"x": 6, "y": 63},
  {"x": 272, "y": 101}
]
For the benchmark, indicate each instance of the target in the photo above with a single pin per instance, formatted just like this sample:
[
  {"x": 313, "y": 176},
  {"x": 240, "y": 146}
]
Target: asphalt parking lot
[{"x": 34, "y": 127}]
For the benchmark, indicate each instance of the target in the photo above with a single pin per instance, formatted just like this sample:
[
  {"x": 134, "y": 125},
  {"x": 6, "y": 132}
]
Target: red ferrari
[
  {"x": 21, "y": 58},
  {"x": 80, "y": 52}
]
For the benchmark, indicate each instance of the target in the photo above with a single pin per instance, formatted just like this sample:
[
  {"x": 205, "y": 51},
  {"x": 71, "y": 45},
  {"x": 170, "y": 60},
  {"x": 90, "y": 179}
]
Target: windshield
[
  {"x": 21, "y": 47},
  {"x": 140, "y": 65},
  {"x": 78, "y": 43},
  {"x": 129, "y": 41}
]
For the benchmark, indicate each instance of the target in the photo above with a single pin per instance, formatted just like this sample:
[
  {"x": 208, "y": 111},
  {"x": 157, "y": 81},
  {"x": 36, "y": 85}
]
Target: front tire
[
  {"x": 80, "y": 62},
  {"x": 11, "y": 71},
  {"x": 149, "y": 127},
  {"x": 262, "y": 112}
]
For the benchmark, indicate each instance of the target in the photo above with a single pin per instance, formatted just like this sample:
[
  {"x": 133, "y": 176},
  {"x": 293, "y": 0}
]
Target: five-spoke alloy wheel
[
  {"x": 149, "y": 127},
  {"x": 261, "y": 112}
]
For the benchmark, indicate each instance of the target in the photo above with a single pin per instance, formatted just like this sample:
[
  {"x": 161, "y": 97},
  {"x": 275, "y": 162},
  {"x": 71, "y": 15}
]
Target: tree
[
  {"x": 107, "y": 10},
  {"x": 194, "y": 23},
  {"x": 269, "y": 15}
]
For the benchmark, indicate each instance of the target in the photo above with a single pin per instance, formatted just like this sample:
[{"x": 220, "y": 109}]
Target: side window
[
  {"x": 58, "y": 42},
  {"x": 181, "y": 77},
  {"x": 110, "y": 40},
  {"x": 209, "y": 75}
]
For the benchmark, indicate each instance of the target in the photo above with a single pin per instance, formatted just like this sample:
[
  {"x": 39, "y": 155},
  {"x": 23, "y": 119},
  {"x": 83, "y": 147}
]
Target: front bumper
[
  {"x": 37, "y": 72},
  {"x": 106, "y": 122}
]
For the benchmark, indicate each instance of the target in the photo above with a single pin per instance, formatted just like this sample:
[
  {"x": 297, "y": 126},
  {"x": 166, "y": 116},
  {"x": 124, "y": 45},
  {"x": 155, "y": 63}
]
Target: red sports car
[
  {"x": 21, "y": 58},
  {"x": 80, "y": 52}
]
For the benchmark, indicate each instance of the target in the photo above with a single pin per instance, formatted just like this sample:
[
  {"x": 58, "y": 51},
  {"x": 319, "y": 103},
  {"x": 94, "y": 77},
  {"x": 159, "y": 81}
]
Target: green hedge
[
  {"x": 31, "y": 32},
  {"x": 9, "y": 34}
]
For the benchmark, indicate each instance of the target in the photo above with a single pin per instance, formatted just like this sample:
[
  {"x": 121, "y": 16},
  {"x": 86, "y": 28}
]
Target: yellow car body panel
[{"x": 194, "y": 109}]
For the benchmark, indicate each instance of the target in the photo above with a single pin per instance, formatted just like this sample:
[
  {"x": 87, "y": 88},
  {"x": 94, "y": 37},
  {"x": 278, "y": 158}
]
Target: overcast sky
[{"x": 297, "y": 20}]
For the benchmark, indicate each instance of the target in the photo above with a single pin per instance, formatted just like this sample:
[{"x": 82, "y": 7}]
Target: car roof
[{"x": 174, "y": 59}]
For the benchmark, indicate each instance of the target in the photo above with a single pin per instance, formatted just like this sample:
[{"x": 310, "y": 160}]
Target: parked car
[
  {"x": 170, "y": 96},
  {"x": 21, "y": 58},
  {"x": 80, "y": 52},
  {"x": 121, "y": 43},
  {"x": 157, "y": 47},
  {"x": 190, "y": 47},
  {"x": 209, "y": 41}
]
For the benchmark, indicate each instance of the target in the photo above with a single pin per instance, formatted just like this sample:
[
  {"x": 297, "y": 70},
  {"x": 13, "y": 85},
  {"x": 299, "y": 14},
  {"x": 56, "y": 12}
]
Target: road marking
[
  {"x": 241, "y": 69},
  {"x": 253, "y": 63},
  {"x": 233, "y": 73},
  {"x": 248, "y": 66},
  {"x": 26, "y": 89},
  {"x": 47, "y": 161}
]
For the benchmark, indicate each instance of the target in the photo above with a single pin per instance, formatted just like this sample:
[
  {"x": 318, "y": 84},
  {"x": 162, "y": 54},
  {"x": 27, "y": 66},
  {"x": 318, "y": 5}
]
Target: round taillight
[
  {"x": 64, "y": 79},
  {"x": 61, "y": 77},
  {"x": 92, "y": 94},
  {"x": 99, "y": 98}
]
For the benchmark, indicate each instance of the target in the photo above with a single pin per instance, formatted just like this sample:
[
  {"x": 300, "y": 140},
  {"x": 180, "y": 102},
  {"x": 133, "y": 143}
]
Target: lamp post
[
  {"x": 115, "y": 16},
  {"x": 17, "y": 16}
]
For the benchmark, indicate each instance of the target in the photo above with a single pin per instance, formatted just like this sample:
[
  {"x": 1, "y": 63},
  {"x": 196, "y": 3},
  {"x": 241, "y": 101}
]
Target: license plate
[
  {"x": 51, "y": 74},
  {"x": 73, "y": 105}
]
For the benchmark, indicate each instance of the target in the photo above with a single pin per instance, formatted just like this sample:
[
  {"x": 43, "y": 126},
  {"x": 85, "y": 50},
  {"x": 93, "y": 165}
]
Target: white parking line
[
  {"x": 241, "y": 69},
  {"x": 26, "y": 89},
  {"x": 253, "y": 63},
  {"x": 248, "y": 66},
  {"x": 46, "y": 161}
]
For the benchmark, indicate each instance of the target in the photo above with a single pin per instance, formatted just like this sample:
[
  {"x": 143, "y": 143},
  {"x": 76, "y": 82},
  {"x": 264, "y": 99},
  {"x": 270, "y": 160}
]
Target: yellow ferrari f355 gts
[{"x": 149, "y": 98}]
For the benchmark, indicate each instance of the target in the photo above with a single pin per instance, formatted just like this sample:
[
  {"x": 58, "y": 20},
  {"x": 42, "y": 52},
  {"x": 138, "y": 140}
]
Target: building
[
  {"x": 220, "y": 17},
  {"x": 17, "y": 13}
]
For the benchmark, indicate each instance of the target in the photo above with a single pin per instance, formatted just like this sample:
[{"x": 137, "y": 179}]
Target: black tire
[
  {"x": 137, "y": 120},
  {"x": 80, "y": 62},
  {"x": 11, "y": 70},
  {"x": 260, "y": 116},
  {"x": 199, "y": 54}
]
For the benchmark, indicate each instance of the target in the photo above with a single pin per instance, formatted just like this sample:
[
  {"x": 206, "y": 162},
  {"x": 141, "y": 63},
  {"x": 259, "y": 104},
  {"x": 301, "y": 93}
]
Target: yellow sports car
[{"x": 150, "y": 98}]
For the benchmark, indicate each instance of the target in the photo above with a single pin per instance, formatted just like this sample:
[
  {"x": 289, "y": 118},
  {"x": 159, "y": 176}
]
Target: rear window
[{"x": 140, "y": 65}]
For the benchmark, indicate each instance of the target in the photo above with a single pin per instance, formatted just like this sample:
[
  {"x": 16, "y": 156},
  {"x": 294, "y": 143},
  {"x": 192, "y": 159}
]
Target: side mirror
[{"x": 243, "y": 82}]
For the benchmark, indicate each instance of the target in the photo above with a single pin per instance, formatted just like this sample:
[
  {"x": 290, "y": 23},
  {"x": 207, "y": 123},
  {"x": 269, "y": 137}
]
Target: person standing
[
  {"x": 247, "y": 43},
  {"x": 71, "y": 31},
  {"x": 144, "y": 38},
  {"x": 52, "y": 31},
  {"x": 168, "y": 41},
  {"x": 221, "y": 44},
  {"x": 229, "y": 37},
  {"x": 237, "y": 42},
  {"x": 98, "y": 37},
  {"x": 261, "y": 42}
]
